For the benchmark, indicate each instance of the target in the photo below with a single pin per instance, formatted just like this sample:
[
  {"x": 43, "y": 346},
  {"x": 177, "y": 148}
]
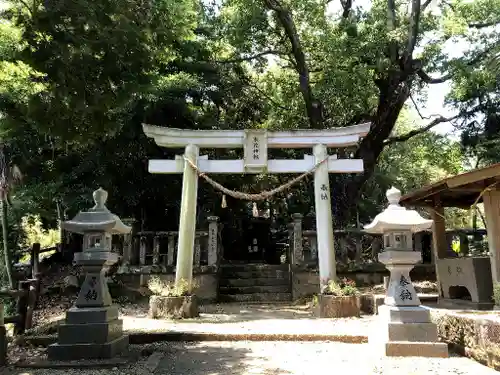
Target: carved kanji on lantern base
[
  {"x": 404, "y": 327},
  {"x": 92, "y": 329}
]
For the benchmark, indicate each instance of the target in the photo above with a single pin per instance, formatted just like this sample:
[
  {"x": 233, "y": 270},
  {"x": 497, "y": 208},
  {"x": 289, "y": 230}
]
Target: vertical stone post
[
  {"x": 213, "y": 246},
  {"x": 171, "y": 249},
  {"x": 156, "y": 250},
  {"x": 324, "y": 222},
  {"x": 298, "y": 249},
  {"x": 376, "y": 246},
  {"x": 127, "y": 243},
  {"x": 187, "y": 222},
  {"x": 289, "y": 254},
  {"x": 313, "y": 240},
  {"x": 197, "y": 251},
  {"x": 143, "y": 243},
  {"x": 135, "y": 250}
]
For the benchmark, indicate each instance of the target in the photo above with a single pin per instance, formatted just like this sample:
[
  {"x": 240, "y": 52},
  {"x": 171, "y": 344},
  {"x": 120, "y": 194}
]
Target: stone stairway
[{"x": 254, "y": 283}]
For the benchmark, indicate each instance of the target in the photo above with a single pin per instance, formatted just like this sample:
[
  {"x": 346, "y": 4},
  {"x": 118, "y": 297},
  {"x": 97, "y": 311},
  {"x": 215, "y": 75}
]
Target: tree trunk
[
  {"x": 6, "y": 251},
  {"x": 393, "y": 95}
]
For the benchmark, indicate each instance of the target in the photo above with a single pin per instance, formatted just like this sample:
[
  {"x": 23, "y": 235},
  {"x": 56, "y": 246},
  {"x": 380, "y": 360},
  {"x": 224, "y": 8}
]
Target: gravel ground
[
  {"x": 283, "y": 358},
  {"x": 225, "y": 358}
]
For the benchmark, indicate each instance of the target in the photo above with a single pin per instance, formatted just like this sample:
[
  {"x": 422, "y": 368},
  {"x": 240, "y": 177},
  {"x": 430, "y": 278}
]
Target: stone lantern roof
[
  {"x": 396, "y": 217},
  {"x": 98, "y": 218}
]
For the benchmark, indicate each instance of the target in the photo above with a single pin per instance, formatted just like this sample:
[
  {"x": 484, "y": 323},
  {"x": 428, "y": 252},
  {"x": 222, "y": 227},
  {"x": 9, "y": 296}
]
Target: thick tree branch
[
  {"x": 251, "y": 57},
  {"x": 415, "y": 132},
  {"x": 438, "y": 120},
  {"x": 478, "y": 58},
  {"x": 346, "y": 6},
  {"x": 482, "y": 25},
  {"x": 426, "y": 4},
  {"x": 414, "y": 27},
  {"x": 428, "y": 79},
  {"x": 418, "y": 110},
  {"x": 391, "y": 25},
  {"x": 284, "y": 16}
]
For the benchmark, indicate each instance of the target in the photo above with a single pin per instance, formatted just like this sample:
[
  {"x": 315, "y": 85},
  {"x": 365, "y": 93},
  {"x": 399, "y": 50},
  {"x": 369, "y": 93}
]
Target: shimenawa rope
[{"x": 266, "y": 194}]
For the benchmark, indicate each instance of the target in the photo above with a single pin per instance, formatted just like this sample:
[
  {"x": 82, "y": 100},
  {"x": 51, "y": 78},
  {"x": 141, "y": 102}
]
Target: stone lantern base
[
  {"x": 404, "y": 328},
  {"x": 89, "y": 333},
  {"x": 407, "y": 331}
]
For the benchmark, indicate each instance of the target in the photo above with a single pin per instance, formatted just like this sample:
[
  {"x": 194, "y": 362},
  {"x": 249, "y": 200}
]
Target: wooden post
[
  {"x": 439, "y": 242},
  {"x": 35, "y": 260},
  {"x": 35, "y": 271},
  {"x": 491, "y": 201},
  {"x": 32, "y": 299},
  {"x": 3, "y": 339},
  {"x": 22, "y": 307}
]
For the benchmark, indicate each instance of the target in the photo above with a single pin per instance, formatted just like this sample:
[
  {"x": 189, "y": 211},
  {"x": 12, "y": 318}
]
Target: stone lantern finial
[
  {"x": 393, "y": 196},
  {"x": 100, "y": 197}
]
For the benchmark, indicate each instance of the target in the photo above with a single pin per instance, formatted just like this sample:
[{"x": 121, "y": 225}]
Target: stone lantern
[
  {"x": 405, "y": 327},
  {"x": 92, "y": 329}
]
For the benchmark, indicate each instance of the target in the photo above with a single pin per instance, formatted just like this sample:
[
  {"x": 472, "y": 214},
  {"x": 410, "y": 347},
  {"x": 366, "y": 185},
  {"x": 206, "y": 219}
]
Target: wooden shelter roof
[{"x": 458, "y": 191}]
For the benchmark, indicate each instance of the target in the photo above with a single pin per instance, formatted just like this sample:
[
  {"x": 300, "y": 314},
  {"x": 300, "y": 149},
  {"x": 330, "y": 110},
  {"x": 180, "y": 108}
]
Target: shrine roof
[{"x": 457, "y": 191}]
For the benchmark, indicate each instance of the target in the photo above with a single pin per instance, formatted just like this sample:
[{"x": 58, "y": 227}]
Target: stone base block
[
  {"x": 416, "y": 349},
  {"x": 68, "y": 352},
  {"x": 405, "y": 314},
  {"x": 407, "y": 332},
  {"x": 413, "y": 332},
  {"x": 91, "y": 315},
  {"x": 95, "y": 333}
]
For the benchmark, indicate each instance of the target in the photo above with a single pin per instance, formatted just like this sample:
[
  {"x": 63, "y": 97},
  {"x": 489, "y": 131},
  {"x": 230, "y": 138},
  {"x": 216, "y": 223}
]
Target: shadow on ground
[{"x": 211, "y": 358}]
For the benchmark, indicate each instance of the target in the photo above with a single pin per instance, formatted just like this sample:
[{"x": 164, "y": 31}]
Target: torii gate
[{"x": 255, "y": 143}]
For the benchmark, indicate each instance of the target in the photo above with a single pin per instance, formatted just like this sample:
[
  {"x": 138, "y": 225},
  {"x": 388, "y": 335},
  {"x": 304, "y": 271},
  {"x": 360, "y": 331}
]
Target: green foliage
[
  {"x": 77, "y": 79},
  {"x": 159, "y": 287},
  {"x": 342, "y": 287},
  {"x": 496, "y": 294},
  {"x": 35, "y": 233}
]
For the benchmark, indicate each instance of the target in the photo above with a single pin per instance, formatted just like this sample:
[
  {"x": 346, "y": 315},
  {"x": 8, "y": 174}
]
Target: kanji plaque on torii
[{"x": 256, "y": 143}]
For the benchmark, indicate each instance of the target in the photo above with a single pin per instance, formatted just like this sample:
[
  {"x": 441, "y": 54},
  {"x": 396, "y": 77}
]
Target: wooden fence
[{"x": 26, "y": 298}]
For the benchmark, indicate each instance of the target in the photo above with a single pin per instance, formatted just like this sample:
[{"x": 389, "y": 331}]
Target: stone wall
[
  {"x": 473, "y": 335},
  {"x": 205, "y": 278},
  {"x": 305, "y": 282}
]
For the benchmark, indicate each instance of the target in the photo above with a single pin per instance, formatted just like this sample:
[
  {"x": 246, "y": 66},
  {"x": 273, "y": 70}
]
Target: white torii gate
[{"x": 255, "y": 143}]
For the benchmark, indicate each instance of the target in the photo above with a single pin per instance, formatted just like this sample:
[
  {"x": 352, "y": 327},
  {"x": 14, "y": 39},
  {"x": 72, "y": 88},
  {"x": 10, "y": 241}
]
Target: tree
[{"x": 358, "y": 65}]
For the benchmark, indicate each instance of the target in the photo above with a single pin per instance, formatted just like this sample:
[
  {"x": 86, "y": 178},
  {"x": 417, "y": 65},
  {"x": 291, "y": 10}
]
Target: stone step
[
  {"x": 255, "y": 297},
  {"x": 255, "y": 289},
  {"x": 253, "y": 267},
  {"x": 416, "y": 349},
  {"x": 266, "y": 281},
  {"x": 257, "y": 274}
]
